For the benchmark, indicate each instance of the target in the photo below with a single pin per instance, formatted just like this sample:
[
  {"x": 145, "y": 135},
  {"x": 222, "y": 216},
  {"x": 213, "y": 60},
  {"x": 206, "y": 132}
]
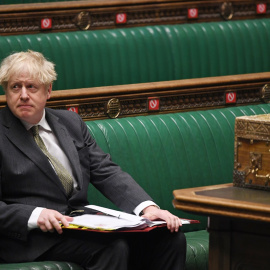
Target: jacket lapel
[{"x": 22, "y": 139}]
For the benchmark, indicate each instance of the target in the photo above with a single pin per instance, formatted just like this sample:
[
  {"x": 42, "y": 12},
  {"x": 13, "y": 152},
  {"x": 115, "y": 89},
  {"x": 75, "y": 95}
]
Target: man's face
[{"x": 26, "y": 97}]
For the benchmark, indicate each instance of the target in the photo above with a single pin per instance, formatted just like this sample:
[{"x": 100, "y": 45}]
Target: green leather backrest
[
  {"x": 151, "y": 53},
  {"x": 172, "y": 151}
]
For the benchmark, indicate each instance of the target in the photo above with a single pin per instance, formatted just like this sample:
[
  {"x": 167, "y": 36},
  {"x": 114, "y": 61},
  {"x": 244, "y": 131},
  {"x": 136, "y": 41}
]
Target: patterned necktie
[{"x": 63, "y": 174}]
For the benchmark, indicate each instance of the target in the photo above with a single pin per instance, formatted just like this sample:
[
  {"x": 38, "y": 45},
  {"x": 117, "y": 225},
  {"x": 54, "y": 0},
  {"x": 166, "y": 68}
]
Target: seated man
[{"x": 47, "y": 160}]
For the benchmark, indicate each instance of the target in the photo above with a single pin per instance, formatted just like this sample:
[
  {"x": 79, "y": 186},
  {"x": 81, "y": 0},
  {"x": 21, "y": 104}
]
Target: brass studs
[
  {"x": 83, "y": 20},
  {"x": 113, "y": 108},
  {"x": 226, "y": 10},
  {"x": 265, "y": 93}
]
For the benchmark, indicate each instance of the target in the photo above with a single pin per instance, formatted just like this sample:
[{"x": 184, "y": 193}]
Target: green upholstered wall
[{"x": 151, "y": 53}]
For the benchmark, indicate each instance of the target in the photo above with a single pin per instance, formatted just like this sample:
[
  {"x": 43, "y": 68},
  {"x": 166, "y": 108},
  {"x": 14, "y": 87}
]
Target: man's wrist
[
  {"x": 138, "y": 210},
  {"x": 32, "y": 222},
  {"x": 148, "y": 208}
]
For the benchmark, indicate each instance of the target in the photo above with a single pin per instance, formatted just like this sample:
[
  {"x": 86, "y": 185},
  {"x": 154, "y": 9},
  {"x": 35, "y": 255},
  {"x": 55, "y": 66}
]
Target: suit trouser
[{"x": 158, "y": 249}]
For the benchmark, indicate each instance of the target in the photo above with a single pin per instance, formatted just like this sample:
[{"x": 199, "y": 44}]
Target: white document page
[
  {"x": 129, "y": 217},
  {"x": 105, "y": 222}
]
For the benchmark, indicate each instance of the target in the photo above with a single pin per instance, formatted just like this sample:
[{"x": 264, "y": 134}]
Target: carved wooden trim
[
  {"x": 93, "y": 15},
  {"x": 162, "y": 97}
]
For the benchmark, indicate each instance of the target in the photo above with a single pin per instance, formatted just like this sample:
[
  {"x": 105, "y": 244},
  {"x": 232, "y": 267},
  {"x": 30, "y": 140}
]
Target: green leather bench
[
  {"x": 175, "y": 151},
  {"x": 151, "y": 53},
  {"x": 167, "y": 152}
]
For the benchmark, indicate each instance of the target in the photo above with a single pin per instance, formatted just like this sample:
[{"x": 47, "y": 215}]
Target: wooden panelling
[
  {"x": 97, "y": 14},
  {"x": 162, "y": 97}
]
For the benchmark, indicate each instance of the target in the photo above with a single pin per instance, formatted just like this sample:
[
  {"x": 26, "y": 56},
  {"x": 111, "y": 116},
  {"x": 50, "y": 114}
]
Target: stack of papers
[{"x": 110, "y": 220}]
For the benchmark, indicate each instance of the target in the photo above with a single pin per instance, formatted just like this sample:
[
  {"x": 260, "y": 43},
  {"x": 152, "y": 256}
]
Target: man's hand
[
  {"x": 48, "y": 221},
  {"x": 154, "y": 213}
]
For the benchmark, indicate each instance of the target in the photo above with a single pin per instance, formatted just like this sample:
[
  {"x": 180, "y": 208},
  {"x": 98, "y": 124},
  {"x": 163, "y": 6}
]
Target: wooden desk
[{"x": 239, "y": 224}]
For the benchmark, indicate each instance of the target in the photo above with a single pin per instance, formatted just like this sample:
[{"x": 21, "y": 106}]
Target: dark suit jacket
[{"x": 27, "y": 180}]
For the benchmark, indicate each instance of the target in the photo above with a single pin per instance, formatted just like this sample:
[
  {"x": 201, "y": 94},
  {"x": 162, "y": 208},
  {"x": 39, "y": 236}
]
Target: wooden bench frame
[
  {"x": 162, "y": 97},
  {"x": 106, "y": 14}
]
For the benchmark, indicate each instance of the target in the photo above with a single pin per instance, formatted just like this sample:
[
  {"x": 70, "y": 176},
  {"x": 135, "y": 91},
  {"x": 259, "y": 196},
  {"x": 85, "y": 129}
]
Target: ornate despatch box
[{"x": 252, "y": 152}]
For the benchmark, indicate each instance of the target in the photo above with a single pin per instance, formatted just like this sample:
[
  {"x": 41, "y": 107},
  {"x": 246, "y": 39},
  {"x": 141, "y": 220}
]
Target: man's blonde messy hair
[{"x": 34, "y": 63}]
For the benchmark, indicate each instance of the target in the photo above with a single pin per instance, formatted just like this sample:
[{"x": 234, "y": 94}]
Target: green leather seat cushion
[
  {"x": 197, "y": 250},
  {"x": 50, "y": 265}
]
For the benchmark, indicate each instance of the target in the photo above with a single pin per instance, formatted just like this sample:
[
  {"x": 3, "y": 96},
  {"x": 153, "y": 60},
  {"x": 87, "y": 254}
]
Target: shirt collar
[{"x": 42, "y": 123}]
